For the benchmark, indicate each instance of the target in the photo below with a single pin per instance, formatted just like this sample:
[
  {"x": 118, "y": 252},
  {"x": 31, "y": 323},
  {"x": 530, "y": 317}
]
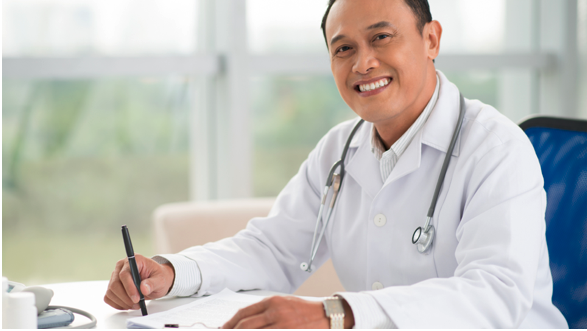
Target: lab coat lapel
[
  {"x": 436, "y": 132},
  {"x": 409, "y": 161},
  {"x": 363, "y": 166}
]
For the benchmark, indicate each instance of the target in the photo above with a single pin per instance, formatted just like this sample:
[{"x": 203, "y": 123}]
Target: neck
[{"x": 392, "y": 129}]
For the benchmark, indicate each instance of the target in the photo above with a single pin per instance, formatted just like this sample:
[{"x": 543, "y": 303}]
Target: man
[{"x": 488, "y": 266}]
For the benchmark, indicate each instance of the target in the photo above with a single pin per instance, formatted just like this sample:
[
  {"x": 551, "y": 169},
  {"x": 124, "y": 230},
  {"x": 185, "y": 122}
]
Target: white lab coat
[{"x": 489, "y": 263}]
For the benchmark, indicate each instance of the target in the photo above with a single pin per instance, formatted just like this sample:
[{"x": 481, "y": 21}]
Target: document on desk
[{"x": 209, "y": 312}]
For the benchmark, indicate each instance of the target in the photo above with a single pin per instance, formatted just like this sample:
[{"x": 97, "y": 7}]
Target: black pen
[{"x": 134, "y": 271}]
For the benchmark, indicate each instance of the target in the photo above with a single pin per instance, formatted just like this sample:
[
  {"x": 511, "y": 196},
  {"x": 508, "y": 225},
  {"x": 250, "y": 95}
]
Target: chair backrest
[
  {"x": 561, "y": 146},
  {"x": 182, "y": 225}
]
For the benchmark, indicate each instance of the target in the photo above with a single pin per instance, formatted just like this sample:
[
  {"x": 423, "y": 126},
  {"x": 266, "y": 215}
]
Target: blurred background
[{"x": 112, "y": 108}]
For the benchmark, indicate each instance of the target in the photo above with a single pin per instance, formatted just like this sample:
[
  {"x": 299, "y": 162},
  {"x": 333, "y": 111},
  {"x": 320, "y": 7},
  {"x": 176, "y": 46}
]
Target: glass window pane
[
  {"x": 285, "y": 26},
  {"x": 470, "y": 26},
  {"x": 95, "y": 27},
  {"x": 290, "y": 115},
  {"x": 80, "y": 159},
  {"x": 482, "y": 85},
  {"x": 582, "y": 46},
  {"x": 294, "y": 26}
]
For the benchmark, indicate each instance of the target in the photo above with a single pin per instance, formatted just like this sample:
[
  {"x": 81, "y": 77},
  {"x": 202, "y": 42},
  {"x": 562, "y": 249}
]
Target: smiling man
[{"x": 481, "y": 260}]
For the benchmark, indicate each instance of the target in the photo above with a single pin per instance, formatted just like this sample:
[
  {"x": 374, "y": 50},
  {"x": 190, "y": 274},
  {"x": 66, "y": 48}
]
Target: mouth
[{"x": 372, "y": 87}]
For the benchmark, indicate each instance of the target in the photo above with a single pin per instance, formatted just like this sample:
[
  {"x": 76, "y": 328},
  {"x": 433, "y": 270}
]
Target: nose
[{"x": 365, "y": 61}]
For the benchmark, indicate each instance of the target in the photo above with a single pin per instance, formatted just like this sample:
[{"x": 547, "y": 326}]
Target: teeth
[{"x": 368, "y": 87}]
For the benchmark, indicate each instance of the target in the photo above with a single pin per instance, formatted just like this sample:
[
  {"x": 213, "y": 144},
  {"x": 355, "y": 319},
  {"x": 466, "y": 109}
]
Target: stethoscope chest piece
[{"x": 423, "y": 239}]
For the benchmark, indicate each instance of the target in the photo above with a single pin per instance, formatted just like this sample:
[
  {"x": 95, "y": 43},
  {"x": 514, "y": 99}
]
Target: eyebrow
[
  {"x": 381, "y": 24},
  {"x": 377, "y": 25}
]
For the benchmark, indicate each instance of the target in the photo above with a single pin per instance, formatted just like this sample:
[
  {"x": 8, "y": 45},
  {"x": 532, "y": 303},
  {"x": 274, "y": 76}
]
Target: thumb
[{"x": 146, "y": 287}]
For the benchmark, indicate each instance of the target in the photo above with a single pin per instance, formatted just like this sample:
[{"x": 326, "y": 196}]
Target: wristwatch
[{"x": 335, "y": 311}]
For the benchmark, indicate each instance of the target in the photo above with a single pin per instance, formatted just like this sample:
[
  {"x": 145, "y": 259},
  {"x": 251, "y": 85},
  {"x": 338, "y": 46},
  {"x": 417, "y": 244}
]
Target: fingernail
[
  {"x": 135, "y": 306},
  {"x": 135, "y": 298},
  {"x": 147, "y": 288}
]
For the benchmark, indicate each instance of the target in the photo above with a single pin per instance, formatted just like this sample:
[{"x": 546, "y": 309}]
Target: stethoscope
[{"x": 422, "y": 237}]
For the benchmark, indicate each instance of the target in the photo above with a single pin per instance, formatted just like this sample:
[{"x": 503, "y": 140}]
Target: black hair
[{"x": 420, "y": 8}]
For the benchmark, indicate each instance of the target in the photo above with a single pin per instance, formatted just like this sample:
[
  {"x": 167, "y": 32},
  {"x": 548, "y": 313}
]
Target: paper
[{"x": 209, "y": 312}]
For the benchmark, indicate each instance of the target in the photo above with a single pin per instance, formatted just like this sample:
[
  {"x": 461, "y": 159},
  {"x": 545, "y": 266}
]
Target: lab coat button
[
  {"x": 376, "y": 286},
  {"x": 380, "y": 220}
]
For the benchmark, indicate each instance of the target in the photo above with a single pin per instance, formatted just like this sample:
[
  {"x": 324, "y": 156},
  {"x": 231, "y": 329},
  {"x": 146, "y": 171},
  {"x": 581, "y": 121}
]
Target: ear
[{"x": 432, "y": 33}]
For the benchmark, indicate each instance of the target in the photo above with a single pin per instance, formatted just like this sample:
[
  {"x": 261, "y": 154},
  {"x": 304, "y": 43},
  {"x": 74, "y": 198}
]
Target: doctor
[{"x": 487, "y": 266}]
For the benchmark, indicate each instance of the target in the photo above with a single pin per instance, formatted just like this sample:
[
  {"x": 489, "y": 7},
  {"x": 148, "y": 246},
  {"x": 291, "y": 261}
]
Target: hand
[
  {"x": 156, "y": 281},
  {"x": 280, "y": 312}
]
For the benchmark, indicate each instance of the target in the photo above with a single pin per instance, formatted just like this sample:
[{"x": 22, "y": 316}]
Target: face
[{"x": 381, "y": 63}]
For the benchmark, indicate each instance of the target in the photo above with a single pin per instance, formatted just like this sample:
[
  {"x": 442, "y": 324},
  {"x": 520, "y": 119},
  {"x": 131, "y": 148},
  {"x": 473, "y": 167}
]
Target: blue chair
[{"x": 561, "y": 146}]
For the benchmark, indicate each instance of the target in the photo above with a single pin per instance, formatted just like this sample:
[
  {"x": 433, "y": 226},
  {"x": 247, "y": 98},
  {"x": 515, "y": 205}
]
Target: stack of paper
[{"x": 209, "y": 312}]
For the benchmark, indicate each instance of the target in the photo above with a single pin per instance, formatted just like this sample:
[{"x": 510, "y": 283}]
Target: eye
[
  {"x": 381, "y": 37},
  {"x": 342, "y": 49}
]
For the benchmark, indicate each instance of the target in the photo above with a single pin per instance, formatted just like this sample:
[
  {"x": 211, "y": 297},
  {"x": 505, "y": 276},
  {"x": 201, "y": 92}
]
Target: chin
[{"x": 370, "y": 114}]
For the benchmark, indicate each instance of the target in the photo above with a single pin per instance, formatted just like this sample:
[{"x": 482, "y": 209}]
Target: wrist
[
  {"x": 349, "y": 318},
  {"x": 169, "y": 272}
]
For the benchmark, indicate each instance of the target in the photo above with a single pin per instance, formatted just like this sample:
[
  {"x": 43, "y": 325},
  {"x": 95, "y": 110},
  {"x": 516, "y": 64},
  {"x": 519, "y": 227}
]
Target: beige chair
[{"x": 182, "y": 225}]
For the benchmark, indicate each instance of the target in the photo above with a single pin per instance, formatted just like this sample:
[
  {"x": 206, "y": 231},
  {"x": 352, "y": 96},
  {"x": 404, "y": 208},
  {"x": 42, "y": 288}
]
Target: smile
[{"x": 374, "y": 85}]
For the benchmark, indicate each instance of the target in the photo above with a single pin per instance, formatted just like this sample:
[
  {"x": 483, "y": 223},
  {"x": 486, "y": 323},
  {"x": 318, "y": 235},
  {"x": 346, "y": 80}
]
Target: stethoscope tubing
[
  {"x": 329, "y": 182},
  {"x": 427, "y": 231},
  {"x": 446, "y": 162}
]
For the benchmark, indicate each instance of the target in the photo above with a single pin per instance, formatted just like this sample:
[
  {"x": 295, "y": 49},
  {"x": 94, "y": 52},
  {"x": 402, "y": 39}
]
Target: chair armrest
[{"x": 185, "y": 224}]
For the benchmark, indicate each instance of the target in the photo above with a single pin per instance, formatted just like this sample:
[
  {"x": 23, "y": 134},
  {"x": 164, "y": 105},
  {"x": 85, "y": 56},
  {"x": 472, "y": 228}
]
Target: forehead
[{"x": 352, "y": 16}]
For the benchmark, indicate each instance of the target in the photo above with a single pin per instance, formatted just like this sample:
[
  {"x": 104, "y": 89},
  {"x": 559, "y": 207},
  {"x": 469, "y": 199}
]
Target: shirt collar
[{"x": 377, "y": 147}]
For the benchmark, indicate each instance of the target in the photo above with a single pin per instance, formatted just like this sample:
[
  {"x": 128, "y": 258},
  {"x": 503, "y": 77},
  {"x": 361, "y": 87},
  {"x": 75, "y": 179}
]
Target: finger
[
  {"x": 146, "y": 289},
  {"x": 128, "y": 283},
  {"x": 147, "y": 267},
  {"x": 277, "y": 326},
  {"x": 254, "y": 322},
  {"x": 154, "y": 282},
  {"x": 159, "y": 282},
  {"x": 120, "y": 295},
  {"x": 243, "y": 313},
  {"x": 112, "y": 303},
  {"x": 116, "y": 292}
]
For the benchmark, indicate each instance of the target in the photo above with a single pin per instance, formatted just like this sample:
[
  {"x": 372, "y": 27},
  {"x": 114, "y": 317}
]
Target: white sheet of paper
[{"x": 208, "y": 312}]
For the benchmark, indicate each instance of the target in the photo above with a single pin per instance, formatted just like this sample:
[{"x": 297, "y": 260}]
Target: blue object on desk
[
  {"x": 561, "y": 147},
  {"x": 52, "y": 318}
]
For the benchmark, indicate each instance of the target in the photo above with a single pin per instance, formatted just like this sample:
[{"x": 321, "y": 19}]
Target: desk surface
[{"x": 89, "y": 296}]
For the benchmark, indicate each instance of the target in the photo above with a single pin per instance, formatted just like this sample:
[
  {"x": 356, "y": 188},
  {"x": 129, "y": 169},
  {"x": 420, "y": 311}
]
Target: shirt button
[
  {"x": 380, "y": 220},
  {"x": 376, "y": 286}
]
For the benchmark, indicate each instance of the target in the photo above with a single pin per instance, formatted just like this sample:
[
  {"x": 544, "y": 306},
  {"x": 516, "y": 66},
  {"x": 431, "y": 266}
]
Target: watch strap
[{"x": 334, "y": 310}]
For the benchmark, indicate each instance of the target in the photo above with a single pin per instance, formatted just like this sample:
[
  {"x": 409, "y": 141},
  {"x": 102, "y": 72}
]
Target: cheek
[
  {"x": 408, "y": 63},
  {"x": 340, "y": 74}
]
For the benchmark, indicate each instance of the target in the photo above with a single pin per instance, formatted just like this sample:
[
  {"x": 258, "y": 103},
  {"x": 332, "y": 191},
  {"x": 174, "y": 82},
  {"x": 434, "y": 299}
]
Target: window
[{"x": 111, "y": 109}]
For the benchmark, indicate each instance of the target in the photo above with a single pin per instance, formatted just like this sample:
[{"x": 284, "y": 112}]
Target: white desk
[{"x": 89, "y": 296}]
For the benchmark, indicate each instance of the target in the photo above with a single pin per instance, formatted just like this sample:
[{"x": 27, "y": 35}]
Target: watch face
[{"x": 333, "y": 306}]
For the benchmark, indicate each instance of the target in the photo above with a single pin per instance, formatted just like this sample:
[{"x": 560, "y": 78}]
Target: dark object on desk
[
  {"x": 136, "y": 277},
  {"x": 561, "y": 147},
  {"x": 52, "y": 318},
  {"x": 177, "y": 326}
]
